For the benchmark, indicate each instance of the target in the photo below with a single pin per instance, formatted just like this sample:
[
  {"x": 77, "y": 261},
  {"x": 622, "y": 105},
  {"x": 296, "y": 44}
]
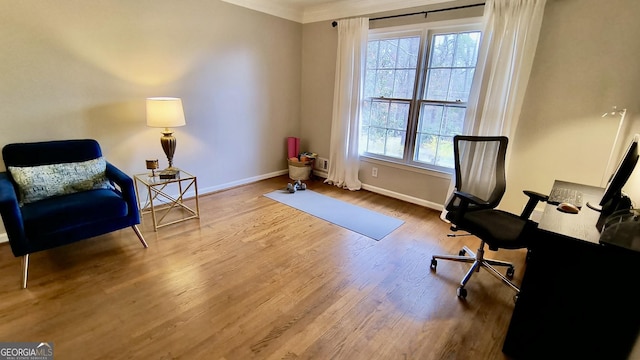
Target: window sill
[{"x": 408, "y": 167}]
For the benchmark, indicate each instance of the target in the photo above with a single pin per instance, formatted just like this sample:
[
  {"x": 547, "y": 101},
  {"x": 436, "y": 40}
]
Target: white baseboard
[
  {"x": 403, "y": 197},
  {"x": 3, "y": 238},
  {"x": 320, "y": 173},
  {"x": 229, "y": 185},
  {"x": 392, "y": 194}
]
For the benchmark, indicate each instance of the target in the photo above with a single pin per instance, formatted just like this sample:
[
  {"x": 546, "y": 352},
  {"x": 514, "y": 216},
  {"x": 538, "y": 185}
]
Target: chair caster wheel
[
  {"x": 433, "y": 265},
  {"x": 510, "y": 272},
  {"x": 291, "y": 188},
  {"x": 462, "y": 293},
  {"x": 462, "y": 252}
]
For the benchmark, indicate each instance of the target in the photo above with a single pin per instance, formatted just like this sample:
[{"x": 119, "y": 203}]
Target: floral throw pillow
[{"x": 44, "y": 181}]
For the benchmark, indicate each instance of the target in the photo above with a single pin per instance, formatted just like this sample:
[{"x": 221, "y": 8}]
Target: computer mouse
[{"x": 568, "y": 208}]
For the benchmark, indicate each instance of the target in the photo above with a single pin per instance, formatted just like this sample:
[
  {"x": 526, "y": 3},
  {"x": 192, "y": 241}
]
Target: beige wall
[
  {"x": 585, "y": 63},
  {"x": 82, "y": 69},
  {"x": 319, "y": 49}
]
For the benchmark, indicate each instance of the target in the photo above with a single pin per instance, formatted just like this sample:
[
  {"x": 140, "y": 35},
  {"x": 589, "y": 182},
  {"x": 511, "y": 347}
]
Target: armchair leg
[
  {"x": 137, "y": 231},
  {"x": 25, "y": 270}
]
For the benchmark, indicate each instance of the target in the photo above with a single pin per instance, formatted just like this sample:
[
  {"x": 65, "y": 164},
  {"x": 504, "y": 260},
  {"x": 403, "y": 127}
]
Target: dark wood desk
[{"x": 578, "y": 297}]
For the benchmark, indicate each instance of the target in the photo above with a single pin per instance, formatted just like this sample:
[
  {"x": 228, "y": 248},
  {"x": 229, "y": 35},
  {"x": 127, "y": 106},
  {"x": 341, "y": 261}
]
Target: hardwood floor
[{"x": 255, "y": 279}]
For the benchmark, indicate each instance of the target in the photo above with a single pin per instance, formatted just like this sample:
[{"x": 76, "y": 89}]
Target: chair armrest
[
  {"x": 534, "y": 198},
  {"x": 12, "y": 216},
  {"x": 469, "y": 199},
  {"x": 465, "y": 200},
  {"x": 125, "y": 183}
]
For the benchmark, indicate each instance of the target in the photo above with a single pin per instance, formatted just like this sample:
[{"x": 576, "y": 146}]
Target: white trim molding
[
  {"x": 343, "y": 9},
  {"x": 271, "y": 7},
  {"x": 229, "y": 185},
  {"x": 296, "y": 10},
  {"x": 403, "y": 197}
]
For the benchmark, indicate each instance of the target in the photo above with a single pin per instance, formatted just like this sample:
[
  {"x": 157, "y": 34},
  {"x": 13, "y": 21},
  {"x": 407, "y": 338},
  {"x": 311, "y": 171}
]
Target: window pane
[
  {"x": 372, "y": 54},
  {"x": 444, "y": 155},
  {"x": 460, "y": 84},
  {"x": 383, "y": 127},
  {"x": 438, "y": 84},
  {"x": 436, "y": 127},
  {"x": 452, "y": 65},
  {"x": 365, "y": 113},
  {"x": 369, "y": 84},
  {"x": 376, "y": 141},
  {"x": 467, "y": 49},
  {"x": 379, "y": 113},
  {"x": 384, "y": 83},
  {"x": 408, "y": 52},
  {"x": 426, "y": 148},
  {"x": 388, "y": 53},
  {"x": 391, "y": 67},
  {"x": 391, "y": 73},
  {"x": 430, "y": 119},
  {"x": 453, "y": 121},
  {"x": 398, "y": 116},
  {"x": 403, "y": 87},
  {"x": 395, "y": 143},
  {"x": 442, "y": 50}
]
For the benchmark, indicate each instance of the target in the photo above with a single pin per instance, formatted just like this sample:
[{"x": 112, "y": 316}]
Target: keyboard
[{"x": 563, "y": 195}]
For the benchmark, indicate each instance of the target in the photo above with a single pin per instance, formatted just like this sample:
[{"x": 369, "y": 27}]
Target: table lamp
[{"x": 166, "y": 112}]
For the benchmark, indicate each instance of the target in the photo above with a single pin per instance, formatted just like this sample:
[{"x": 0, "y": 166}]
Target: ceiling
[{"x": 307, "y": 11}]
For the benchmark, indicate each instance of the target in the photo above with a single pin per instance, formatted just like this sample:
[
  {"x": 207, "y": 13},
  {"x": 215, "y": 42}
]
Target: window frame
[{"x": 426, "y": 31}]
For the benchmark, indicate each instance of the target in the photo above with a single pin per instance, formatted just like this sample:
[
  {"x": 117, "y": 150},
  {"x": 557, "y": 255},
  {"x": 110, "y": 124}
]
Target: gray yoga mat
[{"x": 349, "y": 216}]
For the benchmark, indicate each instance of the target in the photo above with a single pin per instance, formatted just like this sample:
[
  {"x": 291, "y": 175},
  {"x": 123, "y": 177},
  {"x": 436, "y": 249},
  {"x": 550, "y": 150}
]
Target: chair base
[{"x": 477, "y": 262}]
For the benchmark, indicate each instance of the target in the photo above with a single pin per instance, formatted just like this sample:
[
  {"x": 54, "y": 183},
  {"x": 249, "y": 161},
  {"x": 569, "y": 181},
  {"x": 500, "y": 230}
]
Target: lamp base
[{"x": 168, "y": 143}]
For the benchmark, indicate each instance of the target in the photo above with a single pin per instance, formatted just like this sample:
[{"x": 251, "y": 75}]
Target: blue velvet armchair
[{"x": 43, "y": 207}]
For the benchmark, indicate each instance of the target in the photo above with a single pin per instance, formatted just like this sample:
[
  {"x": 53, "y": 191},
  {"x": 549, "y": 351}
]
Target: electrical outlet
[
  {"x": 374, "y": 172},
  {"x": 322, "y": 164}
]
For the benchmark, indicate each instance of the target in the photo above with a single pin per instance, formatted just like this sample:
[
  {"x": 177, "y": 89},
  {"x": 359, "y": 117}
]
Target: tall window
[{"x": 417, "y": 84}]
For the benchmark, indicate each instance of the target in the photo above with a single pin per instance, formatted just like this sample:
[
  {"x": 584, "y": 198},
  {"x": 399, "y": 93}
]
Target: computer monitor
[{"x": 612, "y": 198}]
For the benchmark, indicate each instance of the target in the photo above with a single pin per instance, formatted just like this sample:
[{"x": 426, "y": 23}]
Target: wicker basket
[{"x": 300, "y": 170}]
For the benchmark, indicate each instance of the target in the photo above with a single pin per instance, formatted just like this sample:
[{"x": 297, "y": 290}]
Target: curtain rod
[{"x": 426, "y": 12}]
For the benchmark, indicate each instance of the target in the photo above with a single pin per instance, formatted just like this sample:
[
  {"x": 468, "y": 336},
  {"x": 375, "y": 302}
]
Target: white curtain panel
[
  {"x": 343, "y": 155},
  {"x": 509, "y": 41}
]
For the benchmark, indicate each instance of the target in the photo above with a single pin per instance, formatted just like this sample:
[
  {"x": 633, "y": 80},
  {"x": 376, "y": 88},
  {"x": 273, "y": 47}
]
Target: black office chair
[{"x": 480, "y": 184}]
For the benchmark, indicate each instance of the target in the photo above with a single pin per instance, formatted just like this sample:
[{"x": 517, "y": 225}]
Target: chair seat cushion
[
  {"x": 498, "y": 229},
  {"x": 60, "y": 213}
]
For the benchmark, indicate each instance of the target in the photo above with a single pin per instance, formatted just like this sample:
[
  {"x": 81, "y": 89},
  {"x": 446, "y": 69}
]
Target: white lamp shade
[{"x": 165, "y": 112}]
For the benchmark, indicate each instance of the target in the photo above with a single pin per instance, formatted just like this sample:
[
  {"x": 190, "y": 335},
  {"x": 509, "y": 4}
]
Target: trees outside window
[{"x": 417, "y": 84}]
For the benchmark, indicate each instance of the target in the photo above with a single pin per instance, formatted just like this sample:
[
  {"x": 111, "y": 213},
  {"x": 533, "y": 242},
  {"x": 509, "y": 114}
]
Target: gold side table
[{"x": 160, "y": 202}]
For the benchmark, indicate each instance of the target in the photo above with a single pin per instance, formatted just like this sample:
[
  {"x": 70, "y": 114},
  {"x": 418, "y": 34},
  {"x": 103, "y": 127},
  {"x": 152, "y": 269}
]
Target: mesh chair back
[{"x": 480, "y": 168}]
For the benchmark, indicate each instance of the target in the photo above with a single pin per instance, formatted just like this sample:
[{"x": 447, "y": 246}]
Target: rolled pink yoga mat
[{"x": 293, "y": 147}]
